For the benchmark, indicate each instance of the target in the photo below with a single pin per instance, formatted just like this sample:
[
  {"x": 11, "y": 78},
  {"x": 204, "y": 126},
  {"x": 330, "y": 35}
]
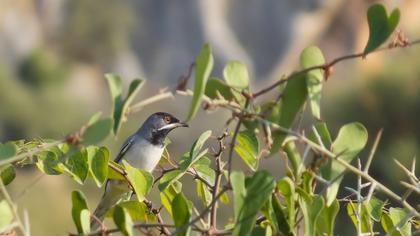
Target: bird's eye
[{"x": 167, "y": 119}]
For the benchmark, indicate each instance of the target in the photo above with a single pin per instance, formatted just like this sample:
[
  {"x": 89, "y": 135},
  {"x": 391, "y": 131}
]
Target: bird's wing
[{"x": 125, "y": 147}]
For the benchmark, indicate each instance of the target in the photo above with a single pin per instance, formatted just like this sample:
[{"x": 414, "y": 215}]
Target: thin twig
[
  {"x": 218, "y": 178},
  {"x": 16, "y": 216},
  {"x": 373, "y": 150},
  {"x": 139, "y": 106},
  {"x": 324, "y": 67}
]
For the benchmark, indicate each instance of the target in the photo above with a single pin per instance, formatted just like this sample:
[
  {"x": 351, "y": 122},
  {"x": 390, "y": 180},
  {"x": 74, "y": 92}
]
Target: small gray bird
[{"x": 142, "y": 150}]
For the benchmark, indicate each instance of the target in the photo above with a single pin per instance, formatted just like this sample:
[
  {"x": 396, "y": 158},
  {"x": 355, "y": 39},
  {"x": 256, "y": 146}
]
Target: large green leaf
[
  {"x": 312, "y": 56},
  {"x": 138, "y": 211},
  {"x": 7, "y": 150},
  {"x": 203, "y": 67},
  {"x": 216, "y": 87},
  {"x": 98, "y": 165},
  {"x": 311, "y": 207},
  {"x": 7, "y": 173},
  {"x": 6, "y": 214},
  {"x": 236, "y": 75},
  {"x": 398, "y": 218},
  {"x": 195, "y": 152},
  {"x": 247, "y": 147},
  {"x": 287, "y": 189},
  {"x": 380, "y": 26},
  {"x": 181, "y": 214},
  {"x": 364, "y": 217},
  {"x": 351, "y": 139},
  {"x": 167, "y": 195},
  {"x": 97, "y": 132},
  {"x": 237, "y": 180},
  {"x": 77, "y": 166},
  {"x": 123, "y": 220},
  {"x": 80, "y": 212},
  {"x": 283, "y": 224},
  {"x": 293, "y": 98},
  {"x": 258, "y": 190},
  {"x": 204, "y": 169},
  {"x": 141, "y": 180},
  {"x": 326, "y": 221},
  {"x": 293, "y": 156},
  {"x": 120, "y": 106}
]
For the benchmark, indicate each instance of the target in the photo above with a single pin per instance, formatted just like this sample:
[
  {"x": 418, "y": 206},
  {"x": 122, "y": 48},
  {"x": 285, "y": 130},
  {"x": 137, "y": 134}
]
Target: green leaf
[
  {"x": 326, "y": 221},
  {"x": 169, "y": 194},
  {"x": 398, "y": 218},
  {"x": 97, "y": 132},
  {"x": 216, "y": 87},
  {"x": 7, "y": 150},
  {"x": 181, "y": 213},
  {"x": 141, "y": 180},
  {"x": 282, "y": 222},
  {"x": 312, "y": 56},
  {"x": 247, "y": 147},
  {"x": 374, "y": 207},
  {"x": 236, "y": 75},
  {"x": 120, "y": 106},
  {"x": 94, "y": 118},
  {"x": 365, "y": 219},
  {"x": 258, "y": 190},
  {"x": 237, "y": 180},
  {"x": 49, "y": 163},
  {"x": 138, "y": 211},
  {"x": 287, "y": 189},
  {"x": 380, "y": 26},
  {"x": 115, "y": 88},
  {"x": 77, "y": 166},
  {"x": 351, "y": 139},
  {"x": 98, "y": 165},
  {"x": 203, "y": 193},
  {"x": 133, "y": 90},
  {"x": 311, "y": 207},
  {"x": 169, "y": 178},
  {"x": 324, "y": 135},
  {"x": 195, "y": 153},
  {"x": 204, "y": 169},
  {"x": 293, "y": 156},
  {"x": 294, "y": 96},
  {"x": 7, "y": 173},
  {"x": 6, "y": 214},
  {"x": 80, "y": 212},
  {"x": 123, "y": 220},
  {"x": 203, "y": 67}
]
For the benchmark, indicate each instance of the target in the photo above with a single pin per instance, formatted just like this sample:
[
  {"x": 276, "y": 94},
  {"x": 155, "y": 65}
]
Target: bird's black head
[{"x": 158, "y": 125}]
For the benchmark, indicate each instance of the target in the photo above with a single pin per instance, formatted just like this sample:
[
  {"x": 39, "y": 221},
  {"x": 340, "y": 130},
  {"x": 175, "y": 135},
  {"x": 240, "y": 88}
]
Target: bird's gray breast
[{"x": 144, "y": 155}]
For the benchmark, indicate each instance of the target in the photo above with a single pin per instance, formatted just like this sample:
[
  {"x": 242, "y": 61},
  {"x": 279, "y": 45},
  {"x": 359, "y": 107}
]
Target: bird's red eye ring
[{"x": 167, "y": 119}]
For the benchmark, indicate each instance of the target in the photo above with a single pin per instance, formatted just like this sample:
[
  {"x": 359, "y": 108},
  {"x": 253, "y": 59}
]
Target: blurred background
[{"x": 53, "y": 54}]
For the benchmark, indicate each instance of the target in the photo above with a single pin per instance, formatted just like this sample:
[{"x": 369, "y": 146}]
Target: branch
[
  {"x": 218, "y": 178},
  {"x": 325, "y": 67},
  {"x": 31, "y": 152},
  {"x": 349, "y": 167}
]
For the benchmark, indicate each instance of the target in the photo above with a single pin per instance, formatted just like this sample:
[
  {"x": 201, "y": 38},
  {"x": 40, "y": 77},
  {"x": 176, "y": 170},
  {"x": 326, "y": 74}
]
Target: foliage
[{"x": 304, "y": 198}]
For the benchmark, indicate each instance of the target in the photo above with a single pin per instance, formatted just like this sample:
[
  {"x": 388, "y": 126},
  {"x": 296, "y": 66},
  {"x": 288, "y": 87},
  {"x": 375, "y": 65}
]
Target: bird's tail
[{"x": 115, "y": 191}]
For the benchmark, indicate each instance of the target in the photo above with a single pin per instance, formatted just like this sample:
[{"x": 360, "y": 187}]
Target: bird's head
[{"x": 158, "y": 125}]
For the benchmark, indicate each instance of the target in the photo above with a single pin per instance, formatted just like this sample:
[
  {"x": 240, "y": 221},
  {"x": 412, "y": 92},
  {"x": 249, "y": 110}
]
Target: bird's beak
[{"x": 174, "y": 125}]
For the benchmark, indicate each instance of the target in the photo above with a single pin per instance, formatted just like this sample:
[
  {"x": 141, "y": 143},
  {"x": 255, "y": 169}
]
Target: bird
[{"x": 142, "y": 150}]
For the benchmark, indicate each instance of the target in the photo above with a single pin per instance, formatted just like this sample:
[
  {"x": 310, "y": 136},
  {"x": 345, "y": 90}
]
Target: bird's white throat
[{"x": 144, "y": 155}]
